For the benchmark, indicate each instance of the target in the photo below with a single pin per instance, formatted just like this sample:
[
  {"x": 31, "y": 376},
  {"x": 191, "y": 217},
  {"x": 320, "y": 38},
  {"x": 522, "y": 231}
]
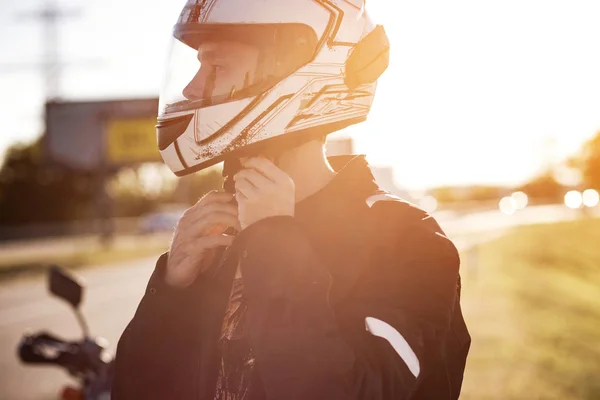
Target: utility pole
[
  {"x": 51, "y": 66},
  {"x": 50, "y": 17}
]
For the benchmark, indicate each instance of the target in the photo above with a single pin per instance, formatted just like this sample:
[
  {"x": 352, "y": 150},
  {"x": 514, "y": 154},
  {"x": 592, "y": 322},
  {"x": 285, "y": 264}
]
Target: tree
[
  {"x": 36, "y": 190},
  {"x": 543, "y": 187},
  {"x": 454, "y": 194},
  {"x": 588, "y": 162},
  {"x": 33, "y": 191}
]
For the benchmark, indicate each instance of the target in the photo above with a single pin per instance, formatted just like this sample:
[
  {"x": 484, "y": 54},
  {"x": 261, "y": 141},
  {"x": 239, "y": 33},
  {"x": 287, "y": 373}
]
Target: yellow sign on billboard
[{"x": 131, "y": 140}]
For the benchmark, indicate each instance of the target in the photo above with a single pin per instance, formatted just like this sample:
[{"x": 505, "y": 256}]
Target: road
[
  {"x": 114, "y": 291},
  {"x": 110, "y": 300}
]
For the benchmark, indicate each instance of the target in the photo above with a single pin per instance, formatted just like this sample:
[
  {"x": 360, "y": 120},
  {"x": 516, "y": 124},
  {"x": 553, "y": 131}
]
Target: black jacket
[{"x": 311, "y": 283}]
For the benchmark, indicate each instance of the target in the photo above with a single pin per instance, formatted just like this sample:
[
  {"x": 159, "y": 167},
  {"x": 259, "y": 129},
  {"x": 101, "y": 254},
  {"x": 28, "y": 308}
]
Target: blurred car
[{"x": 161, "y": 221}]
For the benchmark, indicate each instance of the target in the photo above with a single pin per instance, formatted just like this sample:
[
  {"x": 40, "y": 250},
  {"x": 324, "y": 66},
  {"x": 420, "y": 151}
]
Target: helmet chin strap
[{"x": 231, "y": 166}]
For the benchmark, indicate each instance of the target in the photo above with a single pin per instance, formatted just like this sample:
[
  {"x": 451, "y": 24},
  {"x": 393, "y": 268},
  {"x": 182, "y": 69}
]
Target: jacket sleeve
[
  {"x": 147, "y": 351},
  {"x": 381, "y": 342}
]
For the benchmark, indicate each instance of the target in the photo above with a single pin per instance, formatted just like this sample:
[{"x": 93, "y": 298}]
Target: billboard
[
  {"x": 131, "y": 140},
  {"x": 89, "y": 134}
]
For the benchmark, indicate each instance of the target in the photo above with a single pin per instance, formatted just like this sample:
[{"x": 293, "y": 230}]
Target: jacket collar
[{"x": 336, "y": 221}]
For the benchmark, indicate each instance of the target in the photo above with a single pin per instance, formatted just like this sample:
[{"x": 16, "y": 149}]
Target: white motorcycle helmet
[{"x": 248, "y": 73}]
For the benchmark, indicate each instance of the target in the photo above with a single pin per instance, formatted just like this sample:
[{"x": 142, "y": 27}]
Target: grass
[
  {"x": 532, "y": 303},
  {"x": 86, "y": 252}
]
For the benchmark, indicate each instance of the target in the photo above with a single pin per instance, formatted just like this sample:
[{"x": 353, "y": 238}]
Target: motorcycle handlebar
[{"x": 45, "y": 348}]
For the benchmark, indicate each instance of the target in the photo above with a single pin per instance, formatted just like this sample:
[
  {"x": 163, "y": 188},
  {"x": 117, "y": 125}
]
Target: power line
[{"x": 50, "y": 15}]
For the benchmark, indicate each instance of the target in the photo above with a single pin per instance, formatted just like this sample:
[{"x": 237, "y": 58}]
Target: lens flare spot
[
  {"x": 573, "y": 199},
  {"x": 590, "y": 198},
  {"x": 521, "y": 200},
  {"x": 507, "y": 205}
]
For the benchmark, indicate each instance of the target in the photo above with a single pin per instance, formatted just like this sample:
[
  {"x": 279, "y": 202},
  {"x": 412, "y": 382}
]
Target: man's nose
[{"x": 195, "y": 89}]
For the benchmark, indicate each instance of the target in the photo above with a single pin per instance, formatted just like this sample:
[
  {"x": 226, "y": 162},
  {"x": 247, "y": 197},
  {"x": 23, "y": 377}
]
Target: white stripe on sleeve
[{"x": 384, "y": 330}]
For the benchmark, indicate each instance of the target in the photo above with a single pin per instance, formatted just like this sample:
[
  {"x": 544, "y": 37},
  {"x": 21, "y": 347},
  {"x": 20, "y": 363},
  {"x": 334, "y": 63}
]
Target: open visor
[{"x": 211, "y": 64}]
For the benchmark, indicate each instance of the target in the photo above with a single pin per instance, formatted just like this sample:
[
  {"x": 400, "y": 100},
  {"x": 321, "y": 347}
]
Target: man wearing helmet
[{"x": 303, "y": 279}]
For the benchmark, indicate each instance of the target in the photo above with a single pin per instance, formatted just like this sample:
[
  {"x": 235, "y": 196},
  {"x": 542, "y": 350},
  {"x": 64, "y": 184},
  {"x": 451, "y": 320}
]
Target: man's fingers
[
  {"x": 204, "y": 224},
  {"x": 202, "y": 247},
  {"x": 255, "y": 178},
  {"x": 248, "y": 190},
  {"x": 198, "y": 232},
  {"x": 214, "y": 201},
  {"x": 193, "y": 257},
  {"x": 210, "y": 242},
  {"x": 200, "y": 212},
  {"x": 268, "y": 169},
  {"x": 215, "y": 196}
]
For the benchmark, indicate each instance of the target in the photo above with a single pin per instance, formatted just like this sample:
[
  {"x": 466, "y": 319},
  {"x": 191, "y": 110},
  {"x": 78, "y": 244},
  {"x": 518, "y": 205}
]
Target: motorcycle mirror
[{"x": 65, "y": 285}]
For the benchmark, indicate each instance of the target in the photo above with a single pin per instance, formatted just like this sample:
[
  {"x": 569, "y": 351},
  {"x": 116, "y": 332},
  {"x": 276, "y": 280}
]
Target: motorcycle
[{"x": 88, "y": 359}]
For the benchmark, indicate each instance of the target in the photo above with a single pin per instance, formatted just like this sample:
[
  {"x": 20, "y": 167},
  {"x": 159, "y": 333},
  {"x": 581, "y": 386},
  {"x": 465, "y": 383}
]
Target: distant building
[{"x": 340, "y": 147}]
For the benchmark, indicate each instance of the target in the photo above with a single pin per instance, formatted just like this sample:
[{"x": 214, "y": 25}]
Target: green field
[{"x": 532, "y": 303}]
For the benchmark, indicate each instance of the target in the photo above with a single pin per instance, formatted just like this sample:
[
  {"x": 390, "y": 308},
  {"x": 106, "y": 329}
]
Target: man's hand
[
  {"x": 263, "y": 190},
  {"x": 199, "y": 232}
]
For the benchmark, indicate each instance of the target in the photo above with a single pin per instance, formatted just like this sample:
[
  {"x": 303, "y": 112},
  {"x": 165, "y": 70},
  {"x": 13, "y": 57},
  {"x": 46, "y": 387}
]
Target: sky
[{"x": 476, "y": 92}]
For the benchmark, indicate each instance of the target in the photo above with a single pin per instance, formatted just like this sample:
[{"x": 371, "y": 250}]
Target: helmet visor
[{"x": 207, "y": 67}]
